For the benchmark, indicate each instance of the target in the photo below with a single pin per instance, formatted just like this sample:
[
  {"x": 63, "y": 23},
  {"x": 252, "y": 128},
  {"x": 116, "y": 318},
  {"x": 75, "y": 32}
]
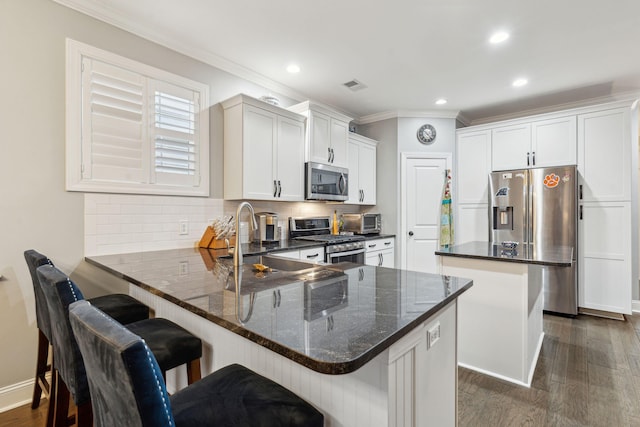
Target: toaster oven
[{"x": 362, "y": 223}]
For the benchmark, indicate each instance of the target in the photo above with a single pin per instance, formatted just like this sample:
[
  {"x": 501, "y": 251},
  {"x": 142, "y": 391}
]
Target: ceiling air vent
[{"x": 355, "y": 85}]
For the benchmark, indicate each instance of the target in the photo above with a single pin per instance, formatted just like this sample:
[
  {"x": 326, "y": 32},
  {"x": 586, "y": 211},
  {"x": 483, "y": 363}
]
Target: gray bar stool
[
  {"x": 127, "y": 388},
  {"x": 123, "y": 308},
  {"x": 174, "y": 345}
]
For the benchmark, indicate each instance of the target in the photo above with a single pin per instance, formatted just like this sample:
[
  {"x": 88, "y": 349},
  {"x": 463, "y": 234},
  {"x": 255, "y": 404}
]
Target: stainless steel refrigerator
[{"x": 538, "y": 207}]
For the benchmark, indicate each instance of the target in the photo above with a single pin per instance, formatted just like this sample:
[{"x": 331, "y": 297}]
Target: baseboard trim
[
  {"x": 635, "y": 306},
  {"x": 15, "y": 395},
  {"x": 493, "y": 374}
]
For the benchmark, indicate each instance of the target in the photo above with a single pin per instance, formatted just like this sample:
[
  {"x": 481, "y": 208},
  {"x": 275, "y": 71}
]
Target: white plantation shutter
[
  {"x": 114, "y": 125},
  {"x": 175, "y": 132},
  {"x": 132, "y": 128}
]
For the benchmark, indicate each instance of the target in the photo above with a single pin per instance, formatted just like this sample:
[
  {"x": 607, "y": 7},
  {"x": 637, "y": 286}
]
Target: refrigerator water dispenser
[{"x": 503, "y": 218}]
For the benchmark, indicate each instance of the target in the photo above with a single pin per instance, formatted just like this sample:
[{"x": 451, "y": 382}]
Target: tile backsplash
[{"x": 119, "y": 223}]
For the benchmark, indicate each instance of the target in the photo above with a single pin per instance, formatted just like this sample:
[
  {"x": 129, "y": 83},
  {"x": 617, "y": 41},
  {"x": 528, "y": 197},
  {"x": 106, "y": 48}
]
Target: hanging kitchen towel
[{"x": 446, "y": 213}]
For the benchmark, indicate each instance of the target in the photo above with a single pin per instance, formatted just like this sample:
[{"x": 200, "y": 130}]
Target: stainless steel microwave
[
  {"x": 362, "y": 223},
  {"x": 326, "y": 182}
]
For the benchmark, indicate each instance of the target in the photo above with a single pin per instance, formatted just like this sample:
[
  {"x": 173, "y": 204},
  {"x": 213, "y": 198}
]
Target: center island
[{"x": 367, "y": 346}]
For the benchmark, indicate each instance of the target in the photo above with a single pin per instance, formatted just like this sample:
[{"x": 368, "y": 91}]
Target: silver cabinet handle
[
  {"x": 275, "y": 188},
  {"x": 329, "y": 151},
  {"x": 533, "y": 155},
  {"x": 528, "y": 164},
  {"x": 279, "y": 188},
  {"x": 373, "y": 245},
  {"x": 387, "y": 243}
]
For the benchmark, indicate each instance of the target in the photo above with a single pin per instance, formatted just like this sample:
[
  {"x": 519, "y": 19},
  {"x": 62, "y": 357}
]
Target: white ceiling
[{"x": 408, "y": 52}]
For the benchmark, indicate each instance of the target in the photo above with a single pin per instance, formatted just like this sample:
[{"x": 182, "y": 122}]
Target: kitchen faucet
[{"x": 237, "y": 253}]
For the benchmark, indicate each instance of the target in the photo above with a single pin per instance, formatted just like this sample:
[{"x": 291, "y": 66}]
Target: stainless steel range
[{"x": 338, "y": 248}]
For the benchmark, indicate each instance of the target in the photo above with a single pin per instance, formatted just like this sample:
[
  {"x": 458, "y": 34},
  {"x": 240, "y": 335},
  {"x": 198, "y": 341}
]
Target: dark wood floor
[{"x": 588, "y": 374}]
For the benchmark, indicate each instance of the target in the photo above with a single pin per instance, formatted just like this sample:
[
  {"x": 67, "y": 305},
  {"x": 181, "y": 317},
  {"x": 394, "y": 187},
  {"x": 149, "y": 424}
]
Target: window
[{"x": 132, "y": 128}]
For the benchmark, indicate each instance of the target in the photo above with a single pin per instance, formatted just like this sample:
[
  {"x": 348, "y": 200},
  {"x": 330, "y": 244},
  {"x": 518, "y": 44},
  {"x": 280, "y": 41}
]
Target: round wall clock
[{"x": 426, "y": 134}]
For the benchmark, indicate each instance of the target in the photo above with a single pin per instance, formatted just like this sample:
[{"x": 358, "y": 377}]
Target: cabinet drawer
[
  {"x": 312, "y": 254},
  {"x": 379, "y": 244}
]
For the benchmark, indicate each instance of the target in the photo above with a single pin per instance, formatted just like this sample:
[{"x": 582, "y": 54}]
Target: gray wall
[{"x": 36, "y": 212}]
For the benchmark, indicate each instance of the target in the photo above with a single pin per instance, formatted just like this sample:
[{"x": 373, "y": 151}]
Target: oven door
[{"x": 356, "y": 256}]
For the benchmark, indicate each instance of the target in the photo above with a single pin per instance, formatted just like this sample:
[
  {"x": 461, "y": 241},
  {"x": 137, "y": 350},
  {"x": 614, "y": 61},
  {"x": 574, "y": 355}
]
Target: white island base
[
  {"x": 406, "y": 385},
  {"x": 500, "y": 318}
]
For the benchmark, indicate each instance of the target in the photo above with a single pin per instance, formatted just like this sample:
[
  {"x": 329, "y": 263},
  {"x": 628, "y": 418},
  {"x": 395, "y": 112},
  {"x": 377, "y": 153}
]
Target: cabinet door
[
  {"x": 290, "y": 159},
  {"x": 387, "y": 258},
  {"x": 372, "y": 258},
  {"x": 289, "y": 311},
  {"x": 604, "y": 155},
  {"x": 554, "y": 142},
  {"x": 473, "y": 153},
  {"x": 354, "y": 172},
  {"x": 511, "y": 147},
  {"x": 339, "y": 139},
  {"x": 367, "y": 173},
  {"x": 604, "y": 260},
  {"x": 319, "y": 137},
  {"x": 472, "y": 223},
  {"x": 259, "y": 154}
]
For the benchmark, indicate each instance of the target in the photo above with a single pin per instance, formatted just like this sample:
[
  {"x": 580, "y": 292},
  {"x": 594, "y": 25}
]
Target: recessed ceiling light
[
  {"x": 441, "y": 101},
  {"x": 520, "y": 82},
  {"x": 499, "y": 37},
  {"x": 293, "y": 68}
]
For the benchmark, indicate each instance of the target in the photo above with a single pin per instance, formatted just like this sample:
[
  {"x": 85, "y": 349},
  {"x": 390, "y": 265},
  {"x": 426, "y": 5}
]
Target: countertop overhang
[
  {"x": 369, "y": 310},
  {"x": 558, "y": 256}
]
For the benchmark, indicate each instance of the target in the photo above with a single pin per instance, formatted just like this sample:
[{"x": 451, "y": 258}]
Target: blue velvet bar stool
[
  {"x": 127, "y": 388},
  {"x": 173, "y": 345},
  {"x": 123, "y": 308}
]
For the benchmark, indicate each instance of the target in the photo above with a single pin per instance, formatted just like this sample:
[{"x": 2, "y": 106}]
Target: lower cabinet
[
  {"x": 380, "y": 252},
  {"x": 604, "y": 275},
  {"x": 315, "y": 254}
]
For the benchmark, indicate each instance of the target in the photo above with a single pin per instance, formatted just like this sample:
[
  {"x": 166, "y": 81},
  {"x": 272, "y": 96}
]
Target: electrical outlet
[
  {"x": 433, "y": 334},
  {"x": 183, "y": 268},
  {"x": 183, "y": 227}
]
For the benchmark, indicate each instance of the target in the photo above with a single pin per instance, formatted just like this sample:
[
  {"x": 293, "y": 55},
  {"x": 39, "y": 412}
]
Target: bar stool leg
[
  {"x": 61, "y": 418},
  {"x": 51, "y": 411},
  {"x": 41, "y": 384},
  {"x": 84, "y": 415},
  {"x": 193, "y": 371}
]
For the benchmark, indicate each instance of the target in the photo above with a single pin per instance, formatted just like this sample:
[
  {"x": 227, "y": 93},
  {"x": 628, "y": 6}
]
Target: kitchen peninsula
[
  {"x": 368, "y": 346},
  {"x": 500, "y": 318}
]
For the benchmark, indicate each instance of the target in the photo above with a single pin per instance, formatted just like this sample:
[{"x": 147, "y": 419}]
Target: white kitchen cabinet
[
  {"x": 326, "y": 135},
  {"x": 540, "y": 143},
  {"x": 473, "y": 161},
  {"x": 472, "y": 223},
  {"x": 553, "y": 142},
  {"x": 604, "y": 155},
  {"x": 263, "y": 151},
  {"x": 380, "y": 252},
  {"x": 511, "y": 147},
  {"x": 362, "y": 170},
  {"x": 605, "y": 278}
]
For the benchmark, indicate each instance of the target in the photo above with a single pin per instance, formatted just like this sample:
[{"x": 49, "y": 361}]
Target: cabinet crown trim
[
  {"x": 249, "y": 100},
  {"x": 306, "y": 106}
]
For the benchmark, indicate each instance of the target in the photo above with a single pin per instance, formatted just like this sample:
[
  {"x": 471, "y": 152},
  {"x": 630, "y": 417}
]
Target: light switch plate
[{"x": 433, "y": 334}]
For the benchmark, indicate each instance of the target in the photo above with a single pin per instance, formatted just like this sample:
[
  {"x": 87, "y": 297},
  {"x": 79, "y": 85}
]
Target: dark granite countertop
[
  {"x": 559, "y": 256},
  {"x": 281, "y": 246},
  {"x": 330, "y": 318}
]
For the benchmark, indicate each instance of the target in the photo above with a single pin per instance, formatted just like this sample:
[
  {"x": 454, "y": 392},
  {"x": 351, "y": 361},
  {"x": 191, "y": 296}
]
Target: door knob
[{"x": 411, "y": 233}]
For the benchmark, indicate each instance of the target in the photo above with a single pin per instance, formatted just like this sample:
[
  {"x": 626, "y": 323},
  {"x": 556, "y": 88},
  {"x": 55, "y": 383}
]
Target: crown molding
[
  {"x": 629, "y": 96},
  {"x": 102, "y": 12},
  {"x": 407, "y": 114}
]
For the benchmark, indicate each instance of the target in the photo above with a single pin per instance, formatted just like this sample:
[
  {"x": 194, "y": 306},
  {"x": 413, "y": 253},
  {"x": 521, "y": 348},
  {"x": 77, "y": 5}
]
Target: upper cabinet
[
  {"x": 604, "y": 155},
  {"x": 263, "y": 151},
  {"x": 362, "y": 170},
  {"x": 473, "y": 161},
  {"x": 326, "y": 135},
  {"x": 539, "y": 143}
]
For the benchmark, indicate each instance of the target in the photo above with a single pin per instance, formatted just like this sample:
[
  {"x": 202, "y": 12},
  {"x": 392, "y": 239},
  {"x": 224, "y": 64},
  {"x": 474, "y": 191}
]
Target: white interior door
[{"x": 422, "y": 193}]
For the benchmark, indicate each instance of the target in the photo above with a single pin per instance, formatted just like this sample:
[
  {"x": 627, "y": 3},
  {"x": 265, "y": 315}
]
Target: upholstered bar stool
[
  {"x": 123, "y": 308},
  {"x": 127, "y": 388},
  {"x": 174, "y": 345}
]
